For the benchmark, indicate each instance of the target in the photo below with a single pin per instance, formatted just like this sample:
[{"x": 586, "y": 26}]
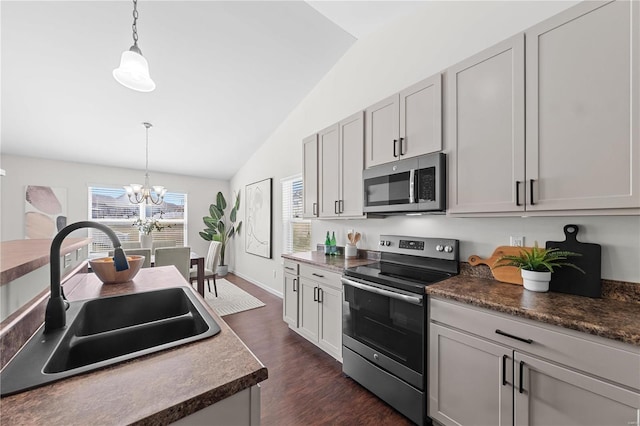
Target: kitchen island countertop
[
  {"x": 155, "y": 389},
  {"x": 609, "y": 318}
]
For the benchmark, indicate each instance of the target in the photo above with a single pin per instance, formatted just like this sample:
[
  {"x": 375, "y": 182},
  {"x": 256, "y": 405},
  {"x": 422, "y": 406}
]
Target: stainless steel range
[{"x": 385, "y": 319}]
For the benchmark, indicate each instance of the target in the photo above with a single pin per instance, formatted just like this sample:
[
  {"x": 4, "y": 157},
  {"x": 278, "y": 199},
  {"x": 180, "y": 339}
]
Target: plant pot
[
  {"x": 222, "y": 270},
  {"x": 146, "y": 241},
  {"x": 536, "y": 281}
]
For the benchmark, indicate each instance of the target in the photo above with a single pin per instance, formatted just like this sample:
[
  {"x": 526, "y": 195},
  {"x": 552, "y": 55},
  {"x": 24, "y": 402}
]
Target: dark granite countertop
[
  {"x": 155, "y": 389},
  {"x": 332, "y": 263},
  {"x": 610, "y": 318}
]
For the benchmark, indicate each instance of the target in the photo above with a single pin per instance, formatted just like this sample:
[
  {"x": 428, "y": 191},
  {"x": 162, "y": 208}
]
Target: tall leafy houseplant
[{"x": 219, "y": 228}]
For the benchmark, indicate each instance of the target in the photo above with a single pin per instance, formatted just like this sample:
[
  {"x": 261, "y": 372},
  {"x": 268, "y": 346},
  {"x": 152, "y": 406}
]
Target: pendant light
[
  {"x": 133, "y": 71},
  {"x": 147, "y": 194}
]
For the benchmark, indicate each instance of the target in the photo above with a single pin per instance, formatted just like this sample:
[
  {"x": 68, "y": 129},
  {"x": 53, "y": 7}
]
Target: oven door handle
[{"x": 416, "y": 300}]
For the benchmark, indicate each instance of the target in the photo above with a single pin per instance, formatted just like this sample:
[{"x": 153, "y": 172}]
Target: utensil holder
[{"x": 350, "y": 251}]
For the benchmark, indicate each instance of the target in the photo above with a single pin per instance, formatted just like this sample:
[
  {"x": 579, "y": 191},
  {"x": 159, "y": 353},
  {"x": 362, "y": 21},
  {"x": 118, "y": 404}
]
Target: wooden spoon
[
  {"x": 356, "y": 238},
  {"x": 350, "y": 237}
]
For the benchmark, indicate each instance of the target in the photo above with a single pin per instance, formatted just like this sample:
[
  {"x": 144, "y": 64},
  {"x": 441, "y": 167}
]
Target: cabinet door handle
[
  {"x": 395, "y": 148},
  {"x": 518, "y": 193},
  {"x": 531, "y": 192},
  {"x": 520, "y": 387},
  {"x": 401, "y": 153},
  {"x": 295, "y": 284},
  {"x": 511, "y": 336},
  {"x": 315, "y": 294},
  {"x": 335, "y": 207},
  {"x": 320, "y": 295},
  {"x": 314, "y": 210},
  {"x": 504, "y": 369},
  {"x": 341, "y": 206},
  {"x": 317, "y": 275}
]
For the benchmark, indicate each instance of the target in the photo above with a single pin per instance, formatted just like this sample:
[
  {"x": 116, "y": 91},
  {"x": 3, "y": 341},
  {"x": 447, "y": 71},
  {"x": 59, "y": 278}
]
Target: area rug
[{"x": 231, "y": 299}]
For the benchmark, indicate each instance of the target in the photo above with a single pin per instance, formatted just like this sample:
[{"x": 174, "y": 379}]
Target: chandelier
[
  {"x": 133, "y": 71},
  {"x": 147, "y": 194}
]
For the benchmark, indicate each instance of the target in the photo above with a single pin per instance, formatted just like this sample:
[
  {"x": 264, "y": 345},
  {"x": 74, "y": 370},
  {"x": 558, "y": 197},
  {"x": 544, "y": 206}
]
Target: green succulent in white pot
[
  {"x": 536, "y": 265},
  {"x": 221, "y": 229}
]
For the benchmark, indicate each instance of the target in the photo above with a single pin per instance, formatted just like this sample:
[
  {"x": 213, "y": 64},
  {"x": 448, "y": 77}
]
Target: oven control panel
[
  {"x": 437, "y": 248},
  {"x": 411, "y": 244}
]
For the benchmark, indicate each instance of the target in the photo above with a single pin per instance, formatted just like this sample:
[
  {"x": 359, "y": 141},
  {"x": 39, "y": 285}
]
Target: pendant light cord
[{"x": 146, "y": 164}]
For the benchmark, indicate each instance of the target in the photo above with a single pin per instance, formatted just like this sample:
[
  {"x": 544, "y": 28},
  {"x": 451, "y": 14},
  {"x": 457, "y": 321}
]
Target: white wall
[
  {"x": 414, "y": 48},
  {"x": 76, "y": 177}
]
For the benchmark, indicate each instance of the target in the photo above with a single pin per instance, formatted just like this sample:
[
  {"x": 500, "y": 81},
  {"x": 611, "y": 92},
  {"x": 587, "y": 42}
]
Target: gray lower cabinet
[
  {"x": 290, "y": 293},
  {"x": 312, "y": 306},
  {"x": 487, "y": 368}
]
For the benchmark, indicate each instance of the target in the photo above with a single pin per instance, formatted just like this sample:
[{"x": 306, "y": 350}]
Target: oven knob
[
  {"x": 387, "y": 243},
  {"x": 439, "y": 247},
  {"x": 448, "y": 249},
  {"x": 376, "y": 357}
]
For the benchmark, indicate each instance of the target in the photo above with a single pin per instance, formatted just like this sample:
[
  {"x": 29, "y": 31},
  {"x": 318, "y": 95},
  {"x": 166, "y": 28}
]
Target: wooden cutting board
[
  {"x": 506, "y": 274},
  {"x": 572, "y": 281}
]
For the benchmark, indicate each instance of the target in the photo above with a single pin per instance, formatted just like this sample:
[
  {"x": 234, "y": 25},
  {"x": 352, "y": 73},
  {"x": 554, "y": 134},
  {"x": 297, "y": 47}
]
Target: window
[
  {"x": 111, "y": 207},
  {"x": 296, "y": 231}
]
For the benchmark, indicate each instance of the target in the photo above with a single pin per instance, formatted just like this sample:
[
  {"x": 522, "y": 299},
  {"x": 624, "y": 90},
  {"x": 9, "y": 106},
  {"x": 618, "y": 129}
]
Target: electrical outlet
[
  {"x": 517, "y": 241},
  {"x": 274, "y": 273}
]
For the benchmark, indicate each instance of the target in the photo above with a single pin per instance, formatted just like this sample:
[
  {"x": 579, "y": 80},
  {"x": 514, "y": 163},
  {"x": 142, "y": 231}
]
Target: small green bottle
[
  {"x": 334, "y": 249},
  {"x": 327, "y": 244}
]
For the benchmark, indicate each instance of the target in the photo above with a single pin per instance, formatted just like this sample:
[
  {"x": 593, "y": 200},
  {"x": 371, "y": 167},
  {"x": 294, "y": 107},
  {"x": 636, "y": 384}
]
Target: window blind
[
  {"x": 112, "y": 207},
  {"x": 296, "y": 231}
]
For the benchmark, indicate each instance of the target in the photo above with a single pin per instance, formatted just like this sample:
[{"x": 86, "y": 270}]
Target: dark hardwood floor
[{"x": 305, "y": 385}]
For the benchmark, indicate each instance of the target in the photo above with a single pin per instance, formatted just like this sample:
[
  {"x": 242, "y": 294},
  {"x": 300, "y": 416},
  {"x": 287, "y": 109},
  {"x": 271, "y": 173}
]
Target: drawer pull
[
  {"x": 317, "y": 275},
  {"x": 520, "y": 387},
  {"x": 504, "y": 370},
  {"x": 289, "y": 268},
  {"x": 502, "y": 333}
]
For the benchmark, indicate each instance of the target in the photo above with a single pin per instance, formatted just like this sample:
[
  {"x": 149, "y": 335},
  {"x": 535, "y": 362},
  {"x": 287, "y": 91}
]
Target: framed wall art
[{"x": 257, "y": 225}]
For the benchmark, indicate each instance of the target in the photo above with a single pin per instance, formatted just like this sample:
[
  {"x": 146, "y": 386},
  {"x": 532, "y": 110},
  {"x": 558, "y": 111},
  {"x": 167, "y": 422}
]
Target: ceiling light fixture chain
[
  {"x": 134, "y": 26},
  {"x": 146, "y": 193}
]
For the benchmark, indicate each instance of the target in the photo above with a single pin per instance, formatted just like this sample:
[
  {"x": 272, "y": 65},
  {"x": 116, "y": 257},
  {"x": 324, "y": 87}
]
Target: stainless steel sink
[{"x": 106, "y": 331}]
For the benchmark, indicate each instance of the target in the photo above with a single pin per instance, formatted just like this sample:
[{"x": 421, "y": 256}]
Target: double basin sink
[{"x": 105, "y": 331}]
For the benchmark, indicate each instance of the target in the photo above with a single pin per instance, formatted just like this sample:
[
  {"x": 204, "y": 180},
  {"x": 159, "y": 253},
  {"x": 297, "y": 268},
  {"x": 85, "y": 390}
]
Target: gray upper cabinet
[
  {"x": 382, "y": 132},
  {"x": 485, "y": 126},
  {"x": 310, "y": 176},
  {"x": 583, "y": 110},
  {"x": 421, "y": 118},
  {"x": 340, "y": 153},
  {"x": 581, "y": 94},
  {"x": 406, "y": 124}
]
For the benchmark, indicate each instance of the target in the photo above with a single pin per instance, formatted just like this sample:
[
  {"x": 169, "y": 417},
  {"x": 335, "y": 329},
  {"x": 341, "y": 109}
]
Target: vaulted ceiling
[{"x": 227, "y": 74}]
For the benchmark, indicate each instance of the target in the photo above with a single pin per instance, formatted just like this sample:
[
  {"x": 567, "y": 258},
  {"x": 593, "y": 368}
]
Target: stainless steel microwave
[{"x": 410, "y": 185}]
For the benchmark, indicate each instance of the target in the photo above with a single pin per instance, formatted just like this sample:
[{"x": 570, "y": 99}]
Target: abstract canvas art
[
  {"x": 45, "y": 211},
  {"x": 258, "y": 218}
]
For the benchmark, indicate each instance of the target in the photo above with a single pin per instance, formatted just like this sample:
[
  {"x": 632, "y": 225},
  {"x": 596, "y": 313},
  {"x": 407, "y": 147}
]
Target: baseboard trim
[{"x": 259, "y": 284}]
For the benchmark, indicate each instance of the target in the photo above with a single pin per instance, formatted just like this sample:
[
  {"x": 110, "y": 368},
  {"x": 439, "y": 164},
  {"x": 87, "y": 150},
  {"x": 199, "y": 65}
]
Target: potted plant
[
  {"x": 220, "y": 229},
  {"x": 146, "y": 227},
  {"x": 536, "y": 265}
]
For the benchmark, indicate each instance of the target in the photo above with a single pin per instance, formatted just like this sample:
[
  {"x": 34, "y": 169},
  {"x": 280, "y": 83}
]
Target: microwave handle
[{"x": 412, "y": 186}]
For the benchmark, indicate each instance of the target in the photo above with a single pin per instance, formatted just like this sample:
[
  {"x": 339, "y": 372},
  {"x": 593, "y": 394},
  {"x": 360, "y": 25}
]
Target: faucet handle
[{"x": 120, "y": 259}]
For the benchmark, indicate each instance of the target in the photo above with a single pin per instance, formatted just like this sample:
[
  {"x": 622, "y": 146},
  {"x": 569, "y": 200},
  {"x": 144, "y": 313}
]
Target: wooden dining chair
[
  {"x": 180, "y": 257},
  {"x": 210, "y": 266}
]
